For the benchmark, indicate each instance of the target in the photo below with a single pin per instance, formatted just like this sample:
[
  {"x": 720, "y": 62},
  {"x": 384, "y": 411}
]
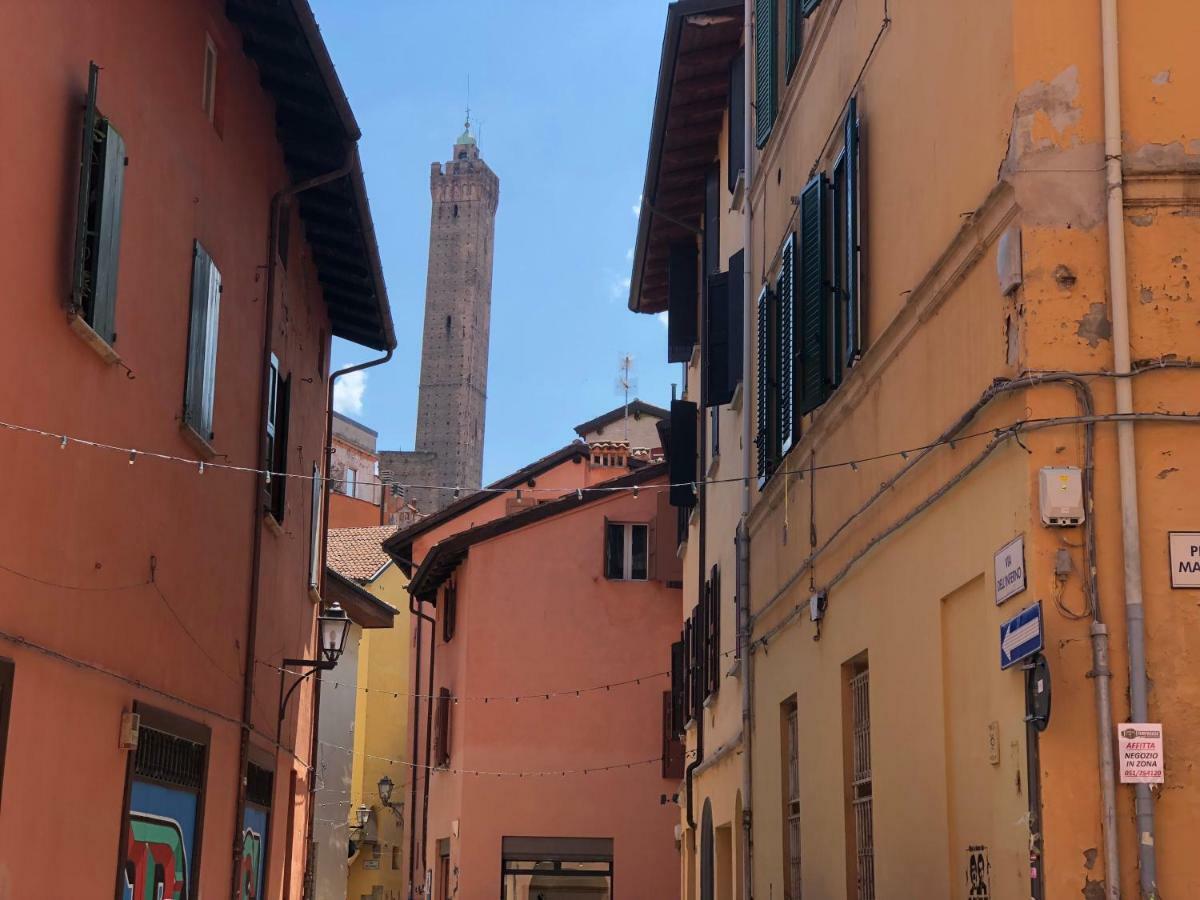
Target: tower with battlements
[{"x": 454, "y": 349}]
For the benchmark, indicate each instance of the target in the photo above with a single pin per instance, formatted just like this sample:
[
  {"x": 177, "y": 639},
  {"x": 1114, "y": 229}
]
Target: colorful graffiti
[
  {"x": 254, "y": 847},
  {"x": 158, "y": 844}
]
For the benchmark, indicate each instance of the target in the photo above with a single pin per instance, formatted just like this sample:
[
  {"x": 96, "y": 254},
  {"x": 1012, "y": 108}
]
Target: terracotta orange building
[
  {"x": 563, "y": 578},
  {"x": 188, "y": 229}
]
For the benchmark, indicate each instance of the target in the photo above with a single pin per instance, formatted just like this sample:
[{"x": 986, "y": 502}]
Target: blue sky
[{"x": 562, "y": 94}]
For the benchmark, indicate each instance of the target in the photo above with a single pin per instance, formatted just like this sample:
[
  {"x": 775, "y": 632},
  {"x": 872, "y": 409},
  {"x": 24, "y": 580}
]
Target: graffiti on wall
[
  {"x": 158, "y": 843},
  {"x": 254, "y": 848}
]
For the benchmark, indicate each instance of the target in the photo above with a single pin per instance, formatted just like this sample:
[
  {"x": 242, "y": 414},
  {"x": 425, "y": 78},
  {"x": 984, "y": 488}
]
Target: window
[
  {"x": 556, "y": 867},
  {"x": 712, "y": 631},
  {"x": 449, "y": 610},
  {"x": 789, "y": 721},
  {"x": 279, "y": 401},
  {"x": 736, "y": 150},
  {"x": 208, "y": 101},
  {"x": 349, "y": 481},
  {"x": 862, "y": 841},
  {"x": 98, "y": 219},
  {"x": 395, "y": 857},
  {"x": 672, "y": 746},
  {"x": 767, "y": 387},
  {"x": 682, "y": 448},
  {"x": 7, "y": 670},
  {"x": 682, "y": 300},
  {"x": 167, "y": 774},
  {"x": 441, "y": 730},
  {"x": 626, "y": 551},
  {"x": 202, "y": 343},
  {"x": 764, "y": 70},
  {"x": 794, "y": 28},
  {"x": 260, "y": 785},
  {"x": 314, "y": 531}
]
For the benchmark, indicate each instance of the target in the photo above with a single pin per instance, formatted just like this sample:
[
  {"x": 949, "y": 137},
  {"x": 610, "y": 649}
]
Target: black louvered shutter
[
  {"x": 283, "y": 409},
  {"x": 699, "y": 677},
  {"x": 763, "y": 387},
  {"x": 813, "y": 291},
  {"x": 712, "y": 221},
  {"x": 681, "y": 455},
  {"x": 672, "y": 746},
  {"x": 718, "y": 388},
  {"x": 689, "y": 667},
  {"x": 794, "y": 30},
  {"x": 682, "y": 300},
  {"x": 679, "y": 685},
  {"x": 807, "y": 6},
  {"x": 736, "y": 329},
  {"x": 441, "y": 730},
  {"x": 764, "y": 70},
  {"x": 737, "y": 117},
  {"x": 853, "y": 293},
  {"x": 80, "y": 289},
  {"x": 785, "y": 353},
  {"x": 714, "y": 631}
]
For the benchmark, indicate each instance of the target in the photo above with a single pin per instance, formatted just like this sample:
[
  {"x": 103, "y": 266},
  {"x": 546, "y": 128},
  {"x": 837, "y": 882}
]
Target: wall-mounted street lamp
[
  {"x": 333, "y": 627},
  {"x": 385, "y": 797}
]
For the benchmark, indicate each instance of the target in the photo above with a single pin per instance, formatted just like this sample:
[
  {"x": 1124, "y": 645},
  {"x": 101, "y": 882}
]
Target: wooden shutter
[
  {"x": 672, "y": 747},
  {"x": 689, "y": 667},
  {"x": 712, "y": 221},
  {"x": 696, "y": 679},
  {"x": 764, "y": 69},
  {"x": 786, "y": 345},
  {"x": 652, "y": 549},
  {"x": 764, "y": 402},
  {"x": 202, "y": 343},
  {"x": 283, "y": 408},
  {"x": 737, "y": 117},
  {"x": 714, "y": 631},
  {"x": 679, "y": 685},
  {"x": 794, "y": 28},
  {"x": 681, "y": 456},
  {"x": 718, "y": 388},
  {"x": 735, "y": 287},
  {"x": 682, "y": 300},
  {"x": 108, "y": 238},
  {"x": 807, "y": 6},
  {"x": 853, "y": 288},
  {"x": 79, "y": 287},
  {"x": 813, "y": 291},
  {"x": 441, "y": 730},
  {"x": 449, "y": 611}
]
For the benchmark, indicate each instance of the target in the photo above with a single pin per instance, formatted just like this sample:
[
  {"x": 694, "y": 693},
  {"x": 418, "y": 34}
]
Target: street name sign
[
  {"x": 1140, "y": 752},
  {"x": 1185, "y": 558},
  {"x": 1010, "y": 569},
  {"x": 1021, "y": 636}
]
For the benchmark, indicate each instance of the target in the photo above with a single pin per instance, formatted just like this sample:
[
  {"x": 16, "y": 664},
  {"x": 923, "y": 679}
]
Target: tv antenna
[{"x": 626, "y": 383}]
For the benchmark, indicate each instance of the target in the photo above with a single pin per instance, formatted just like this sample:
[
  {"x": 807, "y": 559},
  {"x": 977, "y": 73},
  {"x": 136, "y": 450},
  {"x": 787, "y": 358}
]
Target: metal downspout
[
  {"x": 1126, "y": 458},
  {"x": 428, "y": 740},
  {"x": 743, "y": 532},
  {"x": 416, "y": 746},
  {"x": 257, "y": 505}
]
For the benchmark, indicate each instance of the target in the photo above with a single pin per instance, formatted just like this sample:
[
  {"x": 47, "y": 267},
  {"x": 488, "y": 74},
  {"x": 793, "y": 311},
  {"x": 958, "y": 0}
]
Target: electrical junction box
[
  {"x": 816, "y": 606},
  {"x": 1060, "y": 494},
  {"x": 130, "y": 728}
]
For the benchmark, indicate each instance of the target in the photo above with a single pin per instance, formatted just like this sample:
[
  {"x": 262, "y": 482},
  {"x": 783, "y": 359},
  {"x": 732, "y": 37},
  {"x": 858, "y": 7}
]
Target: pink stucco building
[{"x": 528, "y": 595}]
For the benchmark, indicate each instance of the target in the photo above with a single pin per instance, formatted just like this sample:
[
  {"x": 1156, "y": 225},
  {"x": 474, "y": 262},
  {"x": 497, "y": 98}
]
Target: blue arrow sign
[{"x": 1021, "y": 636}]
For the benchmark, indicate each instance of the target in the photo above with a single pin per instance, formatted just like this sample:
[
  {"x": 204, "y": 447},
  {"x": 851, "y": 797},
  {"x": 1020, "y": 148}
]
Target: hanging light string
[{"x": 482, "y": 773}]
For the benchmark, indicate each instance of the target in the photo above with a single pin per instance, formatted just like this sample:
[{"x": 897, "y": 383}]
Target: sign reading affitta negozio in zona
[
  {"x": 1010, "y": 569},
  {"x": 1021, "y": 636},
  {"x": 1140, "y": 748},
  {"x": 1185, "y": 558}
]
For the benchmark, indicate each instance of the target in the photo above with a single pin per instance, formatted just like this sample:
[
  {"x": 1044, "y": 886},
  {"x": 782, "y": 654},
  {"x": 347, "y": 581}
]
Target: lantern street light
[
  {"x": 385, "y": 797},
  {"x": 333, "y": 627}
]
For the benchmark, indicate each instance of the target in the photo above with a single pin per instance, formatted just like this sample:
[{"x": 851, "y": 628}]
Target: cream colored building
[{"x": 956, "y": 288}]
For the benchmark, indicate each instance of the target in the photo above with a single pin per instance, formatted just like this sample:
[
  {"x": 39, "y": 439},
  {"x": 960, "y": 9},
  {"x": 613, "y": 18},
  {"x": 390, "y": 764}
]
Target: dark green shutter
[
  {"x": 763, "y": 387},
  {"x": 737, "y": 117},
  {"x": 813, "y": 291},
  {"x": 79, "y": 288},
  {"x": 786, "y": 345},
  {"x": 807, "y": 6},
  {"x": 717, "y": 381},
  {"x": 764, "y": 69},
  {"x": 735, "y": 290},
  {"x": 682, "y": 300},
  {"x": 681, "y": 455},
  {"x": 794, "y": 29},
  {"x": 853, "y": 298}
]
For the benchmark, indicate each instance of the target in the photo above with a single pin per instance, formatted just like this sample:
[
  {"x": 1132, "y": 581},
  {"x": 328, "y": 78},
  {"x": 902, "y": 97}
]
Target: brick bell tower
[{"x": 458, "y": 306}]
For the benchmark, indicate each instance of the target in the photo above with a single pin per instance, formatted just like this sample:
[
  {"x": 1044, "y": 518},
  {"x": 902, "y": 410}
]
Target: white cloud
[
  {"x": 662, "y": 318},
  {"x": 637, "y": 207},
  {"x": 348, "y": 393},
  {"x": 629, "y": 254}
]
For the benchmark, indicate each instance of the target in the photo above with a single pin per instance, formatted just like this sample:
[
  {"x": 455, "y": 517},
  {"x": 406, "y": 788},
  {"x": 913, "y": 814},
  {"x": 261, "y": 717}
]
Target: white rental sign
[
  {"x": 1140, "y": 752},
  {"x": 1010, "y": 569},
  {"x": 1185, "y": 559}
]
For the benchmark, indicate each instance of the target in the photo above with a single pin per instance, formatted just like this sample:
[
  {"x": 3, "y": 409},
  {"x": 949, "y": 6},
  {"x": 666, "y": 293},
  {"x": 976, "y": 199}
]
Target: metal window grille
[
  {"x": 170, "y": 759},
  {"x": 793, "y": 804},
  {"x": 260, "y": 784},
  {"x": 864, "y": 832}
]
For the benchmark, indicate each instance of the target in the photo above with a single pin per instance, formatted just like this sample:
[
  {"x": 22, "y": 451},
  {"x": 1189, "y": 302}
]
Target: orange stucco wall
[
  {"x": 88, "y": 519},
  {"x": 350, "y": 512},
  {"x": 535, "y": 613}
]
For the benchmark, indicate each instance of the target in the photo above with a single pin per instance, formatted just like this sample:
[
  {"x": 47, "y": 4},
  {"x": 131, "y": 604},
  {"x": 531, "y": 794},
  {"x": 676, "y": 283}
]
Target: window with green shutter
[
  {"x": 202, "y": 343},
  {"x": 765, "y": 388},
  {"x": 851, "y": 226},
  {"x": 807, "y": 6},
  {"x": 813, "y": 296},
  {"x": 786, "y": 425},
  {"x": 794, "y": 34},
  {"x": 764, "y": 70},
  {"x": 98, "y": 218}
]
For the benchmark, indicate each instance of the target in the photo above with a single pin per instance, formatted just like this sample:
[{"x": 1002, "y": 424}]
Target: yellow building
[
  {"x": 966, "y": 331},
  {"x": 365, "y": 701}
]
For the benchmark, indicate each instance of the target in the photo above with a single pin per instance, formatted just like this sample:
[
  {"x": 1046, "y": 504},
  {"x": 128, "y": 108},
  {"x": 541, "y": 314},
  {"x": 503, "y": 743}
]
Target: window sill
[
  {"x": 739, "y": 189},
  {"x": 734, "y": 670},
  {"x": 102, "y": 347},
  {"x": 197, "y": 443},
  {"x": 710, "y": 700},
  {"x": 691, "y": 724},
  {"x": 712, "y": 467},
  {"x": 272, "y": 524},
  {"x": 735, "y": 402}
]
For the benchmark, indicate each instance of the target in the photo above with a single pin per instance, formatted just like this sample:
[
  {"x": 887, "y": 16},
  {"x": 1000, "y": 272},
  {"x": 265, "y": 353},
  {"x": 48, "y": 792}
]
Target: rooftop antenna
[{"x": 626, "y": 383}]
